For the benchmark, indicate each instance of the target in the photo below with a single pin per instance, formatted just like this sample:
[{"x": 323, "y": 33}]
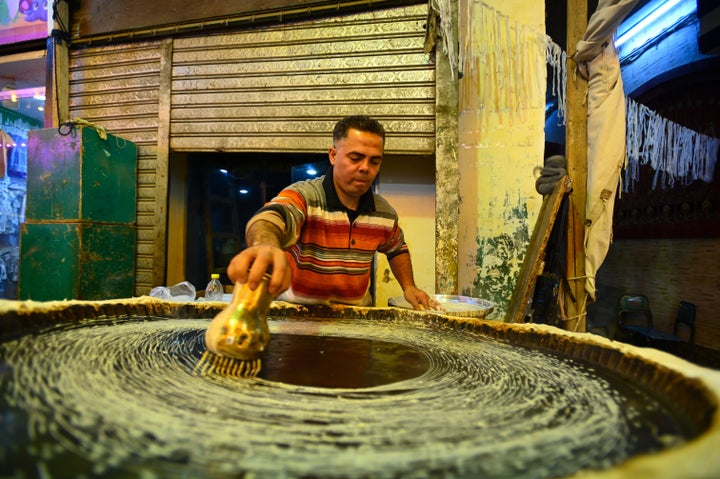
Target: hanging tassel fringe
[
  {"x": 443, "y": 9},
  {"x": 508, "y": 80},
  {"x": 674, "y": 152},
  {"x": 557, "y": 59}
]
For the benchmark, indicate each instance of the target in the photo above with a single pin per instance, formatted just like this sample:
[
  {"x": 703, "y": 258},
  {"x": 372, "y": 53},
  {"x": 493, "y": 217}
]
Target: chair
[
  {"x": 636, "y": 323},
  {"x": 685, "y": 322},
  {"x": 634, "y": 310},
  {"x": 634, "y": 320}
]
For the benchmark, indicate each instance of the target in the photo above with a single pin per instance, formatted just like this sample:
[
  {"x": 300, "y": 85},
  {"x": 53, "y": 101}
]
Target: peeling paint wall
[
  {"x": 500, "y": 142},
  {"x": 447, "y": 169}
]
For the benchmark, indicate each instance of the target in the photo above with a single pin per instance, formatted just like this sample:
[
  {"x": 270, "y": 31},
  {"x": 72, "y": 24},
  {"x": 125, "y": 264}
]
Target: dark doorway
[{"x": 224, "y": 190}]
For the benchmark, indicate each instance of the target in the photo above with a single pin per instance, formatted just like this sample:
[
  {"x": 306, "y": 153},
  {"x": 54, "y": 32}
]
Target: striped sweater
[{"x": 330, "y": 257}]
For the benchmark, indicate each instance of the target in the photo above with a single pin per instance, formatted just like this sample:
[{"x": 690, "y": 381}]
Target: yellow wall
[
  {"x": 408, "y": 183},
  {"x": 501, "y": 141}
]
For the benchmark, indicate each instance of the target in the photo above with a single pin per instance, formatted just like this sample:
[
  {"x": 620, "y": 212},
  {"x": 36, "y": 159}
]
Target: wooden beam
[
  {"x": 534, "y": 261},
  {"x": 57, "y": 69},
  {"x": 162, "y": 165},
  {"x": 576, "y": 152}
]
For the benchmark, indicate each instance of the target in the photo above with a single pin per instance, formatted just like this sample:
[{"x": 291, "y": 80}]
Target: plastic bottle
[{"x": 214, "y": 289}]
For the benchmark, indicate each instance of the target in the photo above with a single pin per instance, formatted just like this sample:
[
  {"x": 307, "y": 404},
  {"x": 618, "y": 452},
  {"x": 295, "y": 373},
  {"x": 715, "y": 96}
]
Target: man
[{"x": 319, "y": 237}]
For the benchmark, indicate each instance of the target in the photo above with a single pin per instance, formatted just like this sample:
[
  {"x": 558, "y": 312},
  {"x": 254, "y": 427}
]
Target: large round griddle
[{"x": 351, "y": 393}]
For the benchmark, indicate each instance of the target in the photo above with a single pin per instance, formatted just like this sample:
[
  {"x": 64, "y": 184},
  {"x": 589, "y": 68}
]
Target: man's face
[{"x": 356, "y": 162}]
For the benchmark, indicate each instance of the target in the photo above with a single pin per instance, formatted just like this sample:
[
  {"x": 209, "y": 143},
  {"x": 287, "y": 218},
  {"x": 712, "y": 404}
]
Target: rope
[
  {"x": 71, "y": 126},
  {"x": 583, "y": 306},
  {"x": 583, "y": 311}
]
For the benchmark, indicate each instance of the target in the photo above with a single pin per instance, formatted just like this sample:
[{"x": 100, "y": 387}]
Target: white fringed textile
[
  {"x": 674, "y": 152},
  {"x": 508, "y": 79},
  {"x": 557, "y": 59},
  {"x": 449, "y": 38}
]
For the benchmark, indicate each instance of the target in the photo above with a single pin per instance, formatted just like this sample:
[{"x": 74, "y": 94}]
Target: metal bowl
[{"x": 452, "y": 305}]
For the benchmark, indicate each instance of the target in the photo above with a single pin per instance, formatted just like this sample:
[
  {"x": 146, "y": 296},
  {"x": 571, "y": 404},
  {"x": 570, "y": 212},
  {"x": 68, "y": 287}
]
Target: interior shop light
[
  {"x": 15, "y": 94},
  {"x": 650, "y": 21}
]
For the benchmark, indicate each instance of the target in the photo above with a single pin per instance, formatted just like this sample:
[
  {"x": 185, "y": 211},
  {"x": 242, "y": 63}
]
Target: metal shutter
[
  {"x": 273, "y": 89},
  {"x": 282, "y": 88}
]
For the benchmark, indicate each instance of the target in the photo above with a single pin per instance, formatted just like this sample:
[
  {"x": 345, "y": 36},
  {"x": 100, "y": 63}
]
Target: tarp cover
[{"x": 598, "y": 61}]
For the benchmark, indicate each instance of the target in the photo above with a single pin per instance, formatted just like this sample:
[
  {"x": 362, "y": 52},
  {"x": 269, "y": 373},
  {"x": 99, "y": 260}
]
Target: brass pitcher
[{"x": 238, "y": 335}]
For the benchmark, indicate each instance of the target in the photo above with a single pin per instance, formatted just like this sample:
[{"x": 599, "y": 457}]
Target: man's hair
[{"x": 357, "y": 122}]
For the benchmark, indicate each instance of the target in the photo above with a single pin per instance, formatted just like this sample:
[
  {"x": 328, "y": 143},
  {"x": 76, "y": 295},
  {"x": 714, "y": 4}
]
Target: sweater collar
[{"x": 365, "y": 205}]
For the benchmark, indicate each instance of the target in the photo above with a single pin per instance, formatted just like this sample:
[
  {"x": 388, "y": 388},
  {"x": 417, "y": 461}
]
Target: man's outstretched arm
[{"x": 401, "y": 266}]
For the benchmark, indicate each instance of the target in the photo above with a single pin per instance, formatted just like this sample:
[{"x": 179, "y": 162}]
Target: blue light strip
[{"x": 651, "y": 21}]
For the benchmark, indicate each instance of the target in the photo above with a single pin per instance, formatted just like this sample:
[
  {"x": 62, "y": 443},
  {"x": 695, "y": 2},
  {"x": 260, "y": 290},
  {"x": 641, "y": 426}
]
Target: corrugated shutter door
[
  {"x": 270, "y": 89},
  {"x": 117, "y": 87},
  {"x": 282, "y": 88}
]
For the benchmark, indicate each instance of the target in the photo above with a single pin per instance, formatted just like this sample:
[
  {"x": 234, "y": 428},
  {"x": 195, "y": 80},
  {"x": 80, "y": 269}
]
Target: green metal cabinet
[
  {"x": 78, "y": 241},
  {"x": 80, "y": 177},
  {"x": 85, "y": 261}
]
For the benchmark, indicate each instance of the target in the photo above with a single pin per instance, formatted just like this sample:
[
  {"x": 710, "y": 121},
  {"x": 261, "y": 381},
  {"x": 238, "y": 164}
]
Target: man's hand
[
  {"x": 420, "y": 299},
  {"x": 251, "y": 264}
]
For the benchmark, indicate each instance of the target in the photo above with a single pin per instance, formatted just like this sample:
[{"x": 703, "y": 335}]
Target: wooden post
[
  {"x": 57, "y": 67},
  {"x": 576, "y": 153}
]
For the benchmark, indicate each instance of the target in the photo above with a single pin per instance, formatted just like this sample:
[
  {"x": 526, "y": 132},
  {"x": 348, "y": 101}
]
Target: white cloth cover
[
  {"x": 607, "y": 17},
  {"x": 597, "y": 58},
  {"x": 606, "y": 157}
]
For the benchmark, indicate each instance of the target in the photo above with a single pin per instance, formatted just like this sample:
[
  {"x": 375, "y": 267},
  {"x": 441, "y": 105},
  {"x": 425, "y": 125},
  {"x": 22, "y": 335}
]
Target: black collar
[{"x": 365, "y": 205}]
